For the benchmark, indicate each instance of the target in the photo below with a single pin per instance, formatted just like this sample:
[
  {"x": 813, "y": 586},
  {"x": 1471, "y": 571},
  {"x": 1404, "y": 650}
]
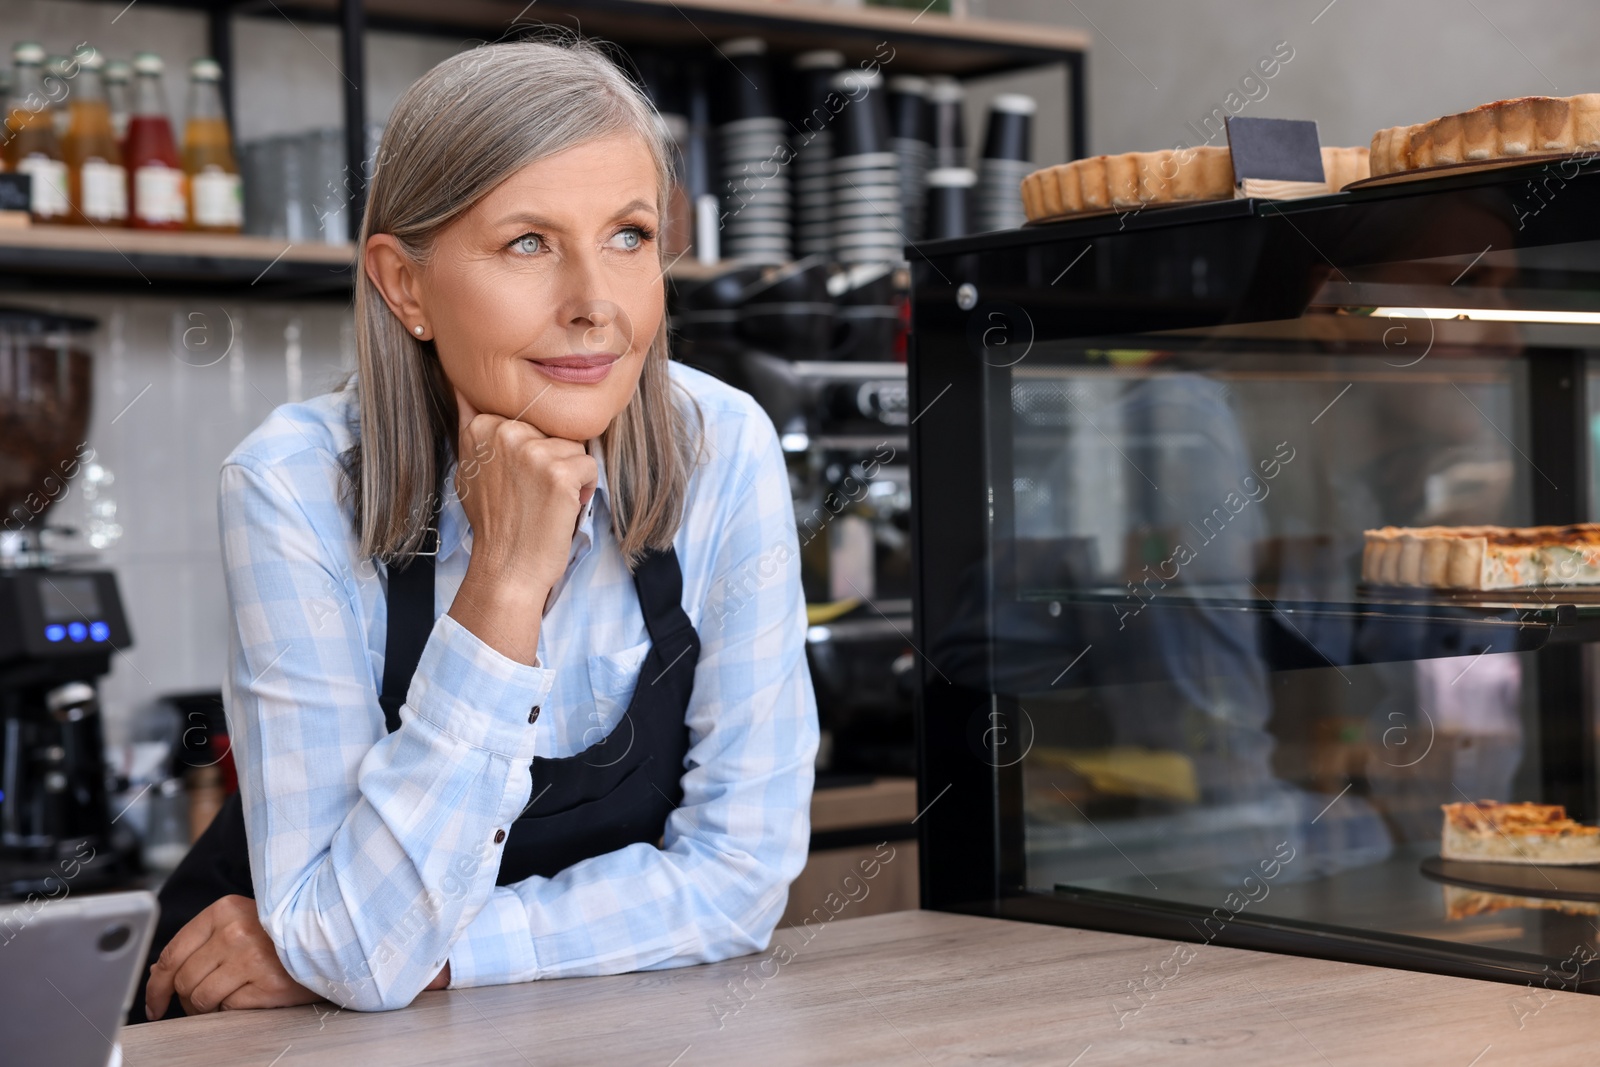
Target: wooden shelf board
[
  {"x": 112, "y": 241},
  {"x": 143, "y": 262},
  {"x": 924, "y": 43},
  {"x": 134, "y": 257}
]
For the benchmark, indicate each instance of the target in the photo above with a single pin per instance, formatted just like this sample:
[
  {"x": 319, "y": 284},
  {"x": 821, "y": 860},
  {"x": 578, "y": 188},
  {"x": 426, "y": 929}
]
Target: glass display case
[{"x": 1155, "y": 693}]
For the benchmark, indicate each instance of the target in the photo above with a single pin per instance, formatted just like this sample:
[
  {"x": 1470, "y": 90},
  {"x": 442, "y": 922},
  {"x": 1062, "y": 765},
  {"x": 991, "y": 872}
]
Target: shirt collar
[{"x": 454, "y": 530}]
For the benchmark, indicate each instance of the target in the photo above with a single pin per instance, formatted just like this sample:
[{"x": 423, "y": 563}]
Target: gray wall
[
  {"x": 1363, "y": 65},
  {"x": 1154, "y": 66}
]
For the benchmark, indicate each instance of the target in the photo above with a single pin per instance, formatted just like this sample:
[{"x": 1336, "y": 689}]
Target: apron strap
[{"x": 410, "y": 620}]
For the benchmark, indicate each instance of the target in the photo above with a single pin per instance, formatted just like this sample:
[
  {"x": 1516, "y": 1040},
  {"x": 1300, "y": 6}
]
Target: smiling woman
[{"x": 576, "y": 767}]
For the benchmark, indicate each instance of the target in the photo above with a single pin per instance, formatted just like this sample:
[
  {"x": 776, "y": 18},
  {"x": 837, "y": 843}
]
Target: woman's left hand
[{"x": 222, "y": 958}]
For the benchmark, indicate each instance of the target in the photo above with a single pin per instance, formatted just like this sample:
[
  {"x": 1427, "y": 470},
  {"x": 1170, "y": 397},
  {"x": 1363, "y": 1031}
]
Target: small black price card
[
  {"x": 16, "y": 191},
  {"x": 1279, "y": 149}
]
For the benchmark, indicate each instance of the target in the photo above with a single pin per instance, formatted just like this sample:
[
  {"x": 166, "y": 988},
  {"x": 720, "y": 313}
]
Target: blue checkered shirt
[{"x": 373, "y": 853}]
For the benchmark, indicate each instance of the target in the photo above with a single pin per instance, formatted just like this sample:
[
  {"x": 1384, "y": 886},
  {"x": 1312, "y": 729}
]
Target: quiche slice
[
  {"x": 1170, "y": 176},
  {"x": 1482, "y": 557},
  {"x": 1503, "y": 129},
  {"x": 1491, "y": 832}
]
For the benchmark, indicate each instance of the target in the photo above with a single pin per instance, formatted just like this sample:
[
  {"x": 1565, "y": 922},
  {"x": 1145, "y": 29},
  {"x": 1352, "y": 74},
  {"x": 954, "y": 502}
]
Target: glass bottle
[
  {"x": 31, "y": 145},
  {"x": 157, "y": 191},
  {"x": 119, "y": 96},
  {"x": 96, "y": 181},
  {"x": 215, "y": 204},
  {"x": 58, "y": 74}
]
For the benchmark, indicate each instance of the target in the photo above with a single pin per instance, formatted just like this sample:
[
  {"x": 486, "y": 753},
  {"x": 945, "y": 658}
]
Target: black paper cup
[
  {"x": 863, "y": 122},
  {"x": 949, "y": 202},
  {"x": 1010, "y": 130},
  {"x": 814, "y": 72},
  {"x": 746, "y": 80},
  {"x": 909, "y": 115}
]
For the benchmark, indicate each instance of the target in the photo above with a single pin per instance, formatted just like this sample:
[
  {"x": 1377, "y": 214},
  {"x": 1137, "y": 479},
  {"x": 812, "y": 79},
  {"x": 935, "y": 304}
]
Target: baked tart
[
  {"x": 1134, "y": 180},
  {"x": 1482, "y": 557},
  {"x": 1505, "y": 129}
]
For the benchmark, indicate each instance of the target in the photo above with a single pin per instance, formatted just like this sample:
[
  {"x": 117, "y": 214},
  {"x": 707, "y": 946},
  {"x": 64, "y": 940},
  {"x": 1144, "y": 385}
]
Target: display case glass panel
[{"x": 1159, "y": 693}]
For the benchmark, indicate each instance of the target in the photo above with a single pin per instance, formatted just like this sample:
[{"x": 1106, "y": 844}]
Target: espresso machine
[{"x": 61, "y": 619}]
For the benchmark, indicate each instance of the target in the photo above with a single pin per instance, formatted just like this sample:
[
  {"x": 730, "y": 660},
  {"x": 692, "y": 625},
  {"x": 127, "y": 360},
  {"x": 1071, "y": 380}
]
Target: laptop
[{"x": 68, "y": 972}]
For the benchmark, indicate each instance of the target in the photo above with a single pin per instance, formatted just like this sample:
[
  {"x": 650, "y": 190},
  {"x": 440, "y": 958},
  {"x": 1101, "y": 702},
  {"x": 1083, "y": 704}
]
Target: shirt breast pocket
[{"x": 613, "y": 676}]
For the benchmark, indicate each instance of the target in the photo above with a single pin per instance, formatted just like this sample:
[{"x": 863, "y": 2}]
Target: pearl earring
[{"x": 417, "y": 330}]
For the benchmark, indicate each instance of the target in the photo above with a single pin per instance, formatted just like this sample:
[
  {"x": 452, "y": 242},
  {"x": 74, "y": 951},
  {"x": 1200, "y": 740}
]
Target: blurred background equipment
[{"x": 60, "y": 622}]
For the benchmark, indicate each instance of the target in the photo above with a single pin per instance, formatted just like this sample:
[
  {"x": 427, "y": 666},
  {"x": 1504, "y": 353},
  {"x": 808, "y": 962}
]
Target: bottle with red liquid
[{"x": 157, "y": 188}]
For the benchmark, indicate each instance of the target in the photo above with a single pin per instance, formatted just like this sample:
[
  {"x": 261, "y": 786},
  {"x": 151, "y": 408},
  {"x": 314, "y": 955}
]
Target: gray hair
[{"x": 457, "y": 133}]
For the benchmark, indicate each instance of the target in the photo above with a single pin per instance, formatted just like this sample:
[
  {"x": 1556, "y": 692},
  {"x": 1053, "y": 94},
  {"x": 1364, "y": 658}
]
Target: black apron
[{"x": 615, "y": 793}]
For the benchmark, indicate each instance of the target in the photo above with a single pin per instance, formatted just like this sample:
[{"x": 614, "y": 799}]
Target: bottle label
[
  {"x": 49, "y": 199},
  {"x": 158, "y": 194},
  {"x": 217, "y": 199},
  {"x": 105, "y": 191}
]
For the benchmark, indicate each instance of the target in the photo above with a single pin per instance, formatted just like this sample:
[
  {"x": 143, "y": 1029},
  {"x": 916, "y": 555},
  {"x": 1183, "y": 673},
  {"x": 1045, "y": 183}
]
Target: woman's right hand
[{"x": 522, "y": 492}]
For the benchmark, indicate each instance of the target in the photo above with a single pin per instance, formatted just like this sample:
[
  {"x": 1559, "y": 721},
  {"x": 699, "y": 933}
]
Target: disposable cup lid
[
  {"x": 952, "y": 178},
  {"x": 1014, "y": 103},
  {"x": 821, "y": 59}
]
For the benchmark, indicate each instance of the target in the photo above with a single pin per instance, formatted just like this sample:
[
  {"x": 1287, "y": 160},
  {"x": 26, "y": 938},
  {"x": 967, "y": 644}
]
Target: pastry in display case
[
  {"x": 1503, "y": 129},
  {"x": 1483, "y": 557},
  {"x": 1146, "y": 179},
  {"x": 1516, "y": 833},
  {"x": 1250, "y": 537}
]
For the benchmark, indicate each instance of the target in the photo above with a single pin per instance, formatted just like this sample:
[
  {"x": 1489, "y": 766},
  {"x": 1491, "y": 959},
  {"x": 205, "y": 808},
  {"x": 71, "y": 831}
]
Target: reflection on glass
[{"x": 1191, "y": 516}]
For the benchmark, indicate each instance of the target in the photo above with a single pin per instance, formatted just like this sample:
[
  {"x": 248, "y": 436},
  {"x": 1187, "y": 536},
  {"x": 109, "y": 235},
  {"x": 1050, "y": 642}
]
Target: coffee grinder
[{"x": 60, "y": 622}]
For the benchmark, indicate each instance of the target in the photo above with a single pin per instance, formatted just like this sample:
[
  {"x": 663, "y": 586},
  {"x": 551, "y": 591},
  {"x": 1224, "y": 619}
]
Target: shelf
[
  {"x": 929, "y": 43},
  {"x": 137, "y": 261},
  {"x": 1293, "y": 632},
  {"x": 845, "y": 371}
]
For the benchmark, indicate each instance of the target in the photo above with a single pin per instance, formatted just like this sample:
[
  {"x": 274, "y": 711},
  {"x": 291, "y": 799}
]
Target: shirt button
[
  {"x": 499, "y": 836},
  {"x": 533, "y": 716}
]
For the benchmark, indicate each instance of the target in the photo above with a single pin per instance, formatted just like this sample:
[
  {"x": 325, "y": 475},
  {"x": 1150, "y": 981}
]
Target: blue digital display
[
  {"x": 99, "y": 631},
  {"x": 77, "y": 631},
  {"x": 55, "y": 632}
]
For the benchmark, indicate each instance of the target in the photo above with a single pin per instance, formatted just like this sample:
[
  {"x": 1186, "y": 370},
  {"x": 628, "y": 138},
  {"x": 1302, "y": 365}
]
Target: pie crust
[
  {"x": 1503, "y": 129},
  {"x": 1491, "y": 832},
  {"x": 1140, "y": 179},
  {"x": 1482, "y": 557}
]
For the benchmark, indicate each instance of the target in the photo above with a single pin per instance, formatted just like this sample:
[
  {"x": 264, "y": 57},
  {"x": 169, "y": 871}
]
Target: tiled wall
[
  {"x": 163, "y": 421},
  {"x": 178, "y": 383}
]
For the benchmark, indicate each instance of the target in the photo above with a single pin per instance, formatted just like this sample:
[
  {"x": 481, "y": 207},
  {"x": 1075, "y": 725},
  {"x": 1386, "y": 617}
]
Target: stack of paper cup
[
  {"x": 866, "y": 174},
  {"x": 1007, "y": 159},
  {"x": 812, "y": 138},
  {"x": 912, "y": 143},
  {"x": 756, "y": 198}
]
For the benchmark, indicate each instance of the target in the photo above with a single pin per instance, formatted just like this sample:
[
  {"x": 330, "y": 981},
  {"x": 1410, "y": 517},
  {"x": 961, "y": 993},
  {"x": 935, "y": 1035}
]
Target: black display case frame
[{"x": 1114, "y": 275}]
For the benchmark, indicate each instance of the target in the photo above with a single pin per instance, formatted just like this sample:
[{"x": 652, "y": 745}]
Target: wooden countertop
[
  {"x": 920, "y": 988},
  {"x": 880, "y": 802}
]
